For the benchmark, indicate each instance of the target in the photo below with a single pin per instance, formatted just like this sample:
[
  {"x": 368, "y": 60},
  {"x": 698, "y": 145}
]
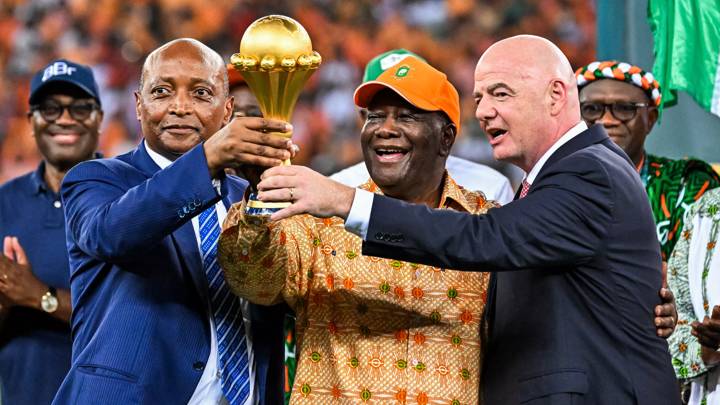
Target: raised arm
[
  {"x": 114, "y": 213},
  {"x": 563, "y": 221}
]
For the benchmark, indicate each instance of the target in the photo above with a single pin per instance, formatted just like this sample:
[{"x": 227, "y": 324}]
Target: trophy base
[{"x": 257, "y": 211}]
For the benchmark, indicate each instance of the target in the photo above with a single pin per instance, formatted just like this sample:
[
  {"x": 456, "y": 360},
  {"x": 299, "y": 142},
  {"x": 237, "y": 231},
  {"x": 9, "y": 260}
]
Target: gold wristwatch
[{"x": 49, "y": 301}]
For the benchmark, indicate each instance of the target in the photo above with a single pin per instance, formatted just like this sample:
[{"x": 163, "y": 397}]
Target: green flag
[{"x": 687, "y": 49}]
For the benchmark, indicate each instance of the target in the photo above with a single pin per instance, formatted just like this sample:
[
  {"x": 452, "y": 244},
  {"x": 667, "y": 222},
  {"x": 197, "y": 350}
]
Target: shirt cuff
[{"x": 359, "y": 216}]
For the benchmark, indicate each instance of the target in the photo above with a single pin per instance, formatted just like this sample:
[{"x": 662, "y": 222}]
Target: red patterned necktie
[{"x": 525, "y": 188}]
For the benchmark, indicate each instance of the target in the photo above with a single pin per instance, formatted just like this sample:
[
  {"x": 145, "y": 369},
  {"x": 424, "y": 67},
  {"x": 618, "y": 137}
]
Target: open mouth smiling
[{"x": 390, "y": 153}]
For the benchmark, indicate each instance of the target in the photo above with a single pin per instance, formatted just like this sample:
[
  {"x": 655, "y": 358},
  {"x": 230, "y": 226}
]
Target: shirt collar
[
  {"x": 452, "y": 195},
  {"x": 159, "y": 159},
  {"x": 570, "y": 134},
  {"x": 38, "y": 178}
]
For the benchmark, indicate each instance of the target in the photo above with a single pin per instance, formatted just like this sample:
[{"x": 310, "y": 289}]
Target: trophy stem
[{"x": 257, "y": 211}]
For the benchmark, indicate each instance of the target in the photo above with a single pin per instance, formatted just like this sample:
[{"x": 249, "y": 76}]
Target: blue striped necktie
[{"x": 232, "y": 344}]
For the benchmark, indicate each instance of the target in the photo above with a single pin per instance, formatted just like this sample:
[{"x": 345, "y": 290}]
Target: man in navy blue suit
[
  {"x": 153, "y": 320},
  {"x": 577, "y": 266}
]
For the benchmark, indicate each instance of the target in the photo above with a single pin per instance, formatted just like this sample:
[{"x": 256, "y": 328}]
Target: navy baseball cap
[{"x": 62, "y": 71}]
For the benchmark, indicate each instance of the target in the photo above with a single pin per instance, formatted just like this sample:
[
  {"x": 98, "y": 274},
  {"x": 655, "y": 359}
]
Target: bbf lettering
[{"x": 58, "y": 68}]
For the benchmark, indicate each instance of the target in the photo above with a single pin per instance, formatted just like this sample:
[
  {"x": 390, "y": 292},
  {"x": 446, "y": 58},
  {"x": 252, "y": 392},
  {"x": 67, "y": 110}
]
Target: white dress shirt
[
  {"x": 358, "y": 218},
  {"x": 570, "y": 134},
  {"x": 470, "y": 175},
  {"x": 209, "y": 388}
]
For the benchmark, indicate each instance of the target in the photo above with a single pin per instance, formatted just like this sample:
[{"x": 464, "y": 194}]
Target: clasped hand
[
  {"x": 310, "y": 192},
  {"x": 247, "y": 145}
]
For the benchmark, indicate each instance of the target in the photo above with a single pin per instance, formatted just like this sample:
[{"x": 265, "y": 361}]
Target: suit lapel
[
  {"x": 189, "y": 253},
  {"x": 142, "y": 160},
  {"x": 592, "y": 135},
  {"x": 517, "y": 193}
]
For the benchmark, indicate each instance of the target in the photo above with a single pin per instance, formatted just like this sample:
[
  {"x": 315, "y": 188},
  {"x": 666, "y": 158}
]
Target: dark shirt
[{"x": 34, "y": 347}]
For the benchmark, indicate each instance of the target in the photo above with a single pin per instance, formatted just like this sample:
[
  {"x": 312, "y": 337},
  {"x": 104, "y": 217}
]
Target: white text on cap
[{"x": 58, "y": 68}]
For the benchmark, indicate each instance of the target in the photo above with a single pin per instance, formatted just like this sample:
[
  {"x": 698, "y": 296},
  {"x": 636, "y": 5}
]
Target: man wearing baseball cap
[
  {"x": 468, "y": 174},
  {"x": 564, "y": 235},
  {"x": 375, "y": 329},
  {"x": 65, "y": 114}
]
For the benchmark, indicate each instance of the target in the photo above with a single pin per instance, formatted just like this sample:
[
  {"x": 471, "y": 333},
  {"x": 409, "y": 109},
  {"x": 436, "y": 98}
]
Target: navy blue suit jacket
[
  {"x": 578, "y": 275},
  {"x": 140, "y": 318}
]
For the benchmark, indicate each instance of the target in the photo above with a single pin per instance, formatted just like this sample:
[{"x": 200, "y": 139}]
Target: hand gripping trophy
[{"x": 276, "y": 59}]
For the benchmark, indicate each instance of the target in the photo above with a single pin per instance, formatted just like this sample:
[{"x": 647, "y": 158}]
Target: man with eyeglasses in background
[
  {"x": 35, "y": 344},
  {"x": 624, "y": 99}
]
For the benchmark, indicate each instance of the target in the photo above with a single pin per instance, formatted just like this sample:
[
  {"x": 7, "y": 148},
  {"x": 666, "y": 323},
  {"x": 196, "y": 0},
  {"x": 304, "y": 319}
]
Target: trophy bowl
[{"x": 276, "y": 59}]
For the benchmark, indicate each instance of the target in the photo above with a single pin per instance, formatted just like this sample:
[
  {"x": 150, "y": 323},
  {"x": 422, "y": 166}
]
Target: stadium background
[{"x": 114, "y": 36}]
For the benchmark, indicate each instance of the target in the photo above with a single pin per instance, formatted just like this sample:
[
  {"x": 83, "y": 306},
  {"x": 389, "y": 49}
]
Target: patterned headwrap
[{"x": 622, "y": 71}]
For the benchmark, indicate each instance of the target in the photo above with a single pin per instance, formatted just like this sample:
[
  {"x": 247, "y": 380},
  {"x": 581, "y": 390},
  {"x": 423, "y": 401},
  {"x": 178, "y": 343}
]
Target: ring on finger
[
  {"x": 292, "y": 193},
  {"x": 5, "y": 276}
]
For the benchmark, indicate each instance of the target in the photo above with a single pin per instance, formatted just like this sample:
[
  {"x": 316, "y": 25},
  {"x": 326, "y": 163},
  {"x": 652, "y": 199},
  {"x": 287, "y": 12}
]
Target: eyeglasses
[
  {"x": 51, "y": 111},
  {"x": 621, "y": 111}
]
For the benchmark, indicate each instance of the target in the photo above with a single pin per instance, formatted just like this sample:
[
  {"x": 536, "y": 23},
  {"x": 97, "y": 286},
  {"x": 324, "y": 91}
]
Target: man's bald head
[
  {"x": 527, "y": 98},
  {"x": 188, "y": 47},
  {"x": 534, "y": 57},
  {"x": 183, "y": 97},
  {"x": 531, "y": 51}
]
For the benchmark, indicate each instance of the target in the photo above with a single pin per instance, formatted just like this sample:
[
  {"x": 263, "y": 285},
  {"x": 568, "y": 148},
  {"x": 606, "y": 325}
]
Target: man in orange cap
[
  {"x": 369, "y": 328},
  {"x": 577, "y": 278},
  {"x": 474, "y": 176}
]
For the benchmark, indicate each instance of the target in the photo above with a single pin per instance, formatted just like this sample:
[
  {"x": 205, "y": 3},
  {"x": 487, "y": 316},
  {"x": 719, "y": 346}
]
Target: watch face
[{"x": 49, "y": 303}]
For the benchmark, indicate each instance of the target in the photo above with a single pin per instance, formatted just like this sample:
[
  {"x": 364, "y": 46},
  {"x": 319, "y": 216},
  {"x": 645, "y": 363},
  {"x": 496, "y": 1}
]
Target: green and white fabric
[
  {"x": 694, "y": 278},
  {"x": 687, "y": 49}
]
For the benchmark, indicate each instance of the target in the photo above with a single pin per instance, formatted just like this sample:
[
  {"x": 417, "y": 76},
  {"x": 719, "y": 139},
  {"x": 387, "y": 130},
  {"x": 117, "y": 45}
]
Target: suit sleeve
[
  {"x": 113, "y": 218},
  {"x": 562, "y": 221},
  {"x": 266, "y": 263}
]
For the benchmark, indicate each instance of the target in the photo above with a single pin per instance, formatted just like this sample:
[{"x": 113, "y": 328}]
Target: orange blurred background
[{"x": 114, "y": 36}]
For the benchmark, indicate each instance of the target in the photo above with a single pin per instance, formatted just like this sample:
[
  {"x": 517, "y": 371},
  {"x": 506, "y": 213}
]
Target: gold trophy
[{"x": 276, "y": 59}]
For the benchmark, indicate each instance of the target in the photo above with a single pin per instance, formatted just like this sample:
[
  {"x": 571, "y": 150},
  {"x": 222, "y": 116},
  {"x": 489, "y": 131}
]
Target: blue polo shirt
[{"x": 34, "y": 347}]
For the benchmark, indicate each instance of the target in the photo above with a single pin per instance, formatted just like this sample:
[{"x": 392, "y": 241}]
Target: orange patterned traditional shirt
[{"x": 368, "y": 329}]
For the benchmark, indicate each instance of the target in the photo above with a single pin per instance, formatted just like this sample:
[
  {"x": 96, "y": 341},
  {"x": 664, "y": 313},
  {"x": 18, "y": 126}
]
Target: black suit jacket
[{"x": 578, "y": 275}]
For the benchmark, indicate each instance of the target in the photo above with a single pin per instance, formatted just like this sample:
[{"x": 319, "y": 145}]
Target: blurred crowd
[{"x": 114, "y": 36}]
